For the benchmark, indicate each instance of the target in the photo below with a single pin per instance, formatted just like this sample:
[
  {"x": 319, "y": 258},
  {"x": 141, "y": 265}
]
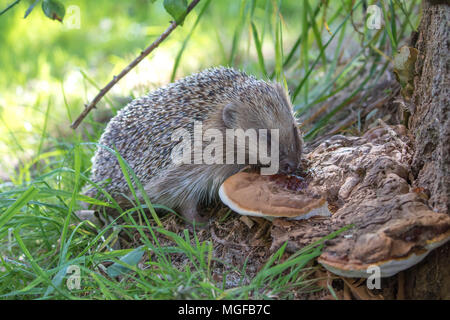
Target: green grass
[
  {"x": 47, "y": 239},
  {"x": 47, "y": 165}
]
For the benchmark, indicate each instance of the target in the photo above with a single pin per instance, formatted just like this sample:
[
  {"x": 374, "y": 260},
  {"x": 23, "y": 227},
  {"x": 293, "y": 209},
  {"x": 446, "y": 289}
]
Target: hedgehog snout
[{"x": 288, "y": 166}]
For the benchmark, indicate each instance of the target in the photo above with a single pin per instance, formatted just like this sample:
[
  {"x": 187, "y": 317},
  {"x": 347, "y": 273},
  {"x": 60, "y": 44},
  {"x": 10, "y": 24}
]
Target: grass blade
[
  {"x": 186, "y": 40},
  {"x": 258, "y": 47},
  {"x": 17, "y": 205}
]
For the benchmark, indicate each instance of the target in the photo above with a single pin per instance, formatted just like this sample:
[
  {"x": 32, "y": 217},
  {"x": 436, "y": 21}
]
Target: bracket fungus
[
  {"x": 367, "y": 182},
  {"x": 249, "y": 193}
]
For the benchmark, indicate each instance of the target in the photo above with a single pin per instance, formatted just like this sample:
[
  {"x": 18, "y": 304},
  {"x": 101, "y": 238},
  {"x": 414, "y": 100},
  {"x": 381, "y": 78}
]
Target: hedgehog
[{"x": 220, "y": 98}]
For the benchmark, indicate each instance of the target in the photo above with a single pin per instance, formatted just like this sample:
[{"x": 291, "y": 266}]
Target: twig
[
  {"x": 128, "y": 68},
  {"x": 9, "y": 7},
  {"x": 225, "y": 242}
]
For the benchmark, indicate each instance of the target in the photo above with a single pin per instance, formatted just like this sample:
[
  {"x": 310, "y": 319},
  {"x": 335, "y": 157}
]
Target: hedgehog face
[
  {"x": 290, "y": 142},
  {"x": 291, "y": 151},
  {"x": 270, "y": 110}
]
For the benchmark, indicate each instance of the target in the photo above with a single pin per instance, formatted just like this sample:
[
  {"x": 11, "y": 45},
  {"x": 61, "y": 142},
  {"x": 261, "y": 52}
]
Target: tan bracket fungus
[
  {"x": 368, "y": 182},
  {"x": 249, "y": 193}
]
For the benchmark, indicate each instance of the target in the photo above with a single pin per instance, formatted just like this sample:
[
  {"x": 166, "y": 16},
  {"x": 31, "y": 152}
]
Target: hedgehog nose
[{"x": 288, "y": 166}]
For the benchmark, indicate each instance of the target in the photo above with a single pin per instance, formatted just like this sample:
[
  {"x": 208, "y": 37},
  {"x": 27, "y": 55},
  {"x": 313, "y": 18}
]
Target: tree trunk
[{"x": 430, "y": 124}]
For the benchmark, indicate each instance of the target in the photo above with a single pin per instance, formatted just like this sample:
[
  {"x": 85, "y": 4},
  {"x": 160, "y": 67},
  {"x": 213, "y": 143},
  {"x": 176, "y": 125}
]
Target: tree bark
[{"x": 430, "y": 124}]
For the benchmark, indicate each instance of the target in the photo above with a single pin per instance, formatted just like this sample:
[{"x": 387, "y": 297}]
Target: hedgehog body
[{"x": 219, "y": 98}]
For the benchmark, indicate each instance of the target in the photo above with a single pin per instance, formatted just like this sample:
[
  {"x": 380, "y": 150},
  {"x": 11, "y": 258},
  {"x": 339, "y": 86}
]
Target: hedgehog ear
[{"x": 229, "y": 115}]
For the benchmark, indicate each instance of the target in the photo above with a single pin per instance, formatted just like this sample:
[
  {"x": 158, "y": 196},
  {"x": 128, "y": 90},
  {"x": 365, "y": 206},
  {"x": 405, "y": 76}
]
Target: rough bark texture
[
  {"x": 430, "y": 121},
  {"x": 367, "y": 183},
  {"x": 430, "y": 125}
]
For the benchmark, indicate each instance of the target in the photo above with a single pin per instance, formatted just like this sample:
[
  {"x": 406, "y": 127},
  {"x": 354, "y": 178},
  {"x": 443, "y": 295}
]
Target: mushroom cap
[
  {"x": 252, "y": 194},
  {"x": 408, "y": 234},
  {"x": 388, "y": 267}
]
